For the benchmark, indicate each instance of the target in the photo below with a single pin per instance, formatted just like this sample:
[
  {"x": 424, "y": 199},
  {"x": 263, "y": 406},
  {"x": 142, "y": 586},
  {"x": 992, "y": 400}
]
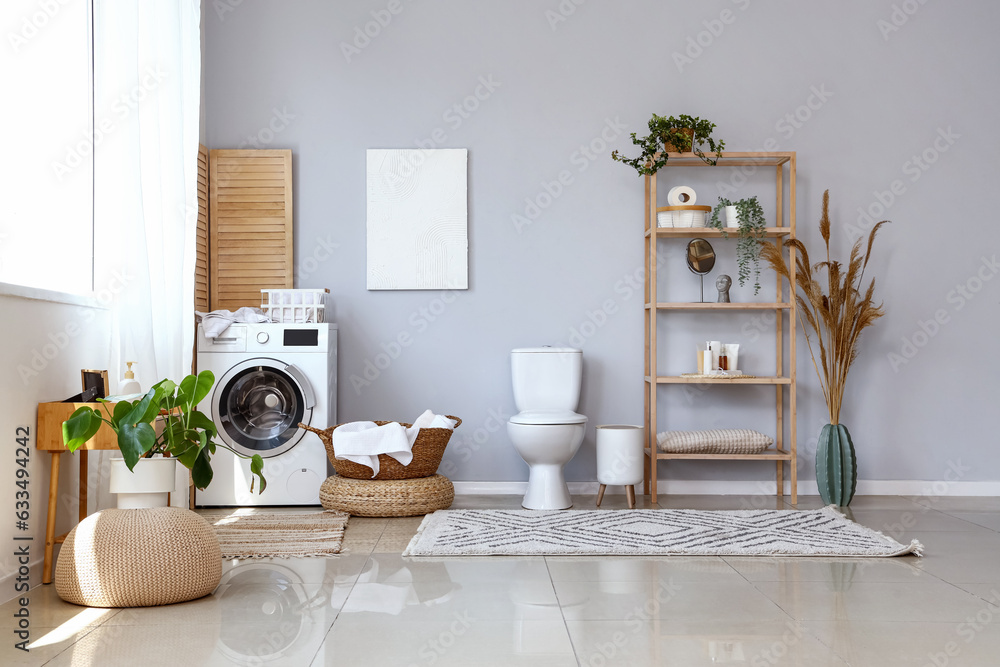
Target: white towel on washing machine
[{"x": 217, "y": 321}]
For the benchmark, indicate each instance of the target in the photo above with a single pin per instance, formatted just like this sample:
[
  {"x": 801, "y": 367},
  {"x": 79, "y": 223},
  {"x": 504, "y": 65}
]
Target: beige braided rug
[{"x": 255, "y": 532}]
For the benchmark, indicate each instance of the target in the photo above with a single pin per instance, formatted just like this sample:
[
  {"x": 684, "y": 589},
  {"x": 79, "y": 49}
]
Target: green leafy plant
[
  {"x": 751, "y": 231},
  {"x": 684, "y": 133},
  {"x": 187, "y": 434}
]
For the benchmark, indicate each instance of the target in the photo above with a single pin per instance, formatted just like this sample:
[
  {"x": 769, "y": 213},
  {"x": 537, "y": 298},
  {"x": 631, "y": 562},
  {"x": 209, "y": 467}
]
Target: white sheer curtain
[
  {"x": 147, "y": 73},
  {"x": 147, "y": 76}
]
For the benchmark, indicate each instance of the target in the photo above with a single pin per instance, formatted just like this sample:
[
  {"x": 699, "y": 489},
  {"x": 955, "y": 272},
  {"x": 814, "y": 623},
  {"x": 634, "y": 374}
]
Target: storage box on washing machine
[{"x": 294, "y": 305}]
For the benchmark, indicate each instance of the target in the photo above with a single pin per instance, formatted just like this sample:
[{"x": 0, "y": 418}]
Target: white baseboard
[
  {"x": 889, "y": 487},
  {"x": 8, "y": 583}
]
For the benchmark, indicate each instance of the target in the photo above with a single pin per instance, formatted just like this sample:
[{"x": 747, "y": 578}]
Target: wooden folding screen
[
  {"x": 251, "y": 225},
  {"x": 201, "y": 292}
]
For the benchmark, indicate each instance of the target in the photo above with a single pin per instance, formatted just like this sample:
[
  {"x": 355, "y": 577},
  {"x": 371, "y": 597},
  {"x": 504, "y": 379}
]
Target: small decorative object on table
[
  {"x": 95, "y": 384},
  {"x": 837, "y": 318}
]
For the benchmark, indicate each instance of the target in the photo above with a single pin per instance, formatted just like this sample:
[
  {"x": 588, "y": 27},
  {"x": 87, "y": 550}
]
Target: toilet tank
[{"x": 546, "y": 378}]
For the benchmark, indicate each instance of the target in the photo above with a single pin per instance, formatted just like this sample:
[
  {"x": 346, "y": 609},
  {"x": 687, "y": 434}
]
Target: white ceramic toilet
[{"x": 546, "y": 431}]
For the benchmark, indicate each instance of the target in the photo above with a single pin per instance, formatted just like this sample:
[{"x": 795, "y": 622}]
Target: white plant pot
[
  {"x": 732, "y": 217},
  {"x": 148, "y": 485}
]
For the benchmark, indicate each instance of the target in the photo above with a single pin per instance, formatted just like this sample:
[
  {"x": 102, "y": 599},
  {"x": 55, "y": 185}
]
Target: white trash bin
[{"x": 619, "y": 459}]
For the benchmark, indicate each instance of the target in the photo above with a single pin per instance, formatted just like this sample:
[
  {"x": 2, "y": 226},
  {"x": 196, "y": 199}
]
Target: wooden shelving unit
[
  {"x": 721, "y": 306},
  {"x": 710, "y": 232},
  {"x": 680, "y": 379},
  {"x": 783, "y": 306}
]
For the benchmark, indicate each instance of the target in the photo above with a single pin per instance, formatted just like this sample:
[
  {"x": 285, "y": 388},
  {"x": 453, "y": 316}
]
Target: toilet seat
[{"x": 542, "y": 417}]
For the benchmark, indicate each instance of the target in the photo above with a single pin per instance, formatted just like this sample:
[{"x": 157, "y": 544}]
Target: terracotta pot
[{"x": 670, "y": 148}]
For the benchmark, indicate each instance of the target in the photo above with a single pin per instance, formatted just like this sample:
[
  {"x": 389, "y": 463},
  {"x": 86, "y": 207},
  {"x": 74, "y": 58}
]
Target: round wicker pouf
[
  {"x": 390, "y": 497},
  {"x": 138, "y": 558}
]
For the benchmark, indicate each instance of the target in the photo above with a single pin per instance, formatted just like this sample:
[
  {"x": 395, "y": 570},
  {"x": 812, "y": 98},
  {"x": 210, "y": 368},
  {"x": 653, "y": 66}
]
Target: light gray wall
[{"x": 885, "y": 96}]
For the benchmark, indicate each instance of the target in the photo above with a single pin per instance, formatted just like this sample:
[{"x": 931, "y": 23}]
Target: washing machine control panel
[{"x": 275, "y": 338}]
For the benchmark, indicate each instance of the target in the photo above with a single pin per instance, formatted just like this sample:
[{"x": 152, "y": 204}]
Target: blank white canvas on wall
[{"x": 418, "y": 219}]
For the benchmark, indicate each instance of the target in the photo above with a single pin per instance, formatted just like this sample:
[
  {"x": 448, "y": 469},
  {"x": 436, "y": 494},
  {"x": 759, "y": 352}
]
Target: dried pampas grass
[{"x": 838, "y": 316}]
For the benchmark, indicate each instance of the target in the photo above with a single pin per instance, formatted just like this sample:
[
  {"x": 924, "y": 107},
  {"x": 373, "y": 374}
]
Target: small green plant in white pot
[
  {"x": 186, "y": 437},
  {"x": 747, "y": 216}
]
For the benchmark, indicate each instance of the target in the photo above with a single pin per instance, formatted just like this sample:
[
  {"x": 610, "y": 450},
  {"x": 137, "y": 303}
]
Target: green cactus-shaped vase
[{"x": 836, "y": 466}]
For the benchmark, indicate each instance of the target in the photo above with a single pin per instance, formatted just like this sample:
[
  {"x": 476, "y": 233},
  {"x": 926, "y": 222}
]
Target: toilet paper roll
[{"x": 682, "y": 195}]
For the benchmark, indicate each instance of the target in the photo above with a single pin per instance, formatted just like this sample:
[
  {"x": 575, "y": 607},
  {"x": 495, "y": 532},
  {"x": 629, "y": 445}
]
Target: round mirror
[{"x": 700, "y": 256}]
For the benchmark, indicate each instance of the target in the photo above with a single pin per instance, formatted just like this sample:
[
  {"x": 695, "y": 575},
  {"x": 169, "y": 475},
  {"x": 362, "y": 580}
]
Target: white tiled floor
[{"x": 371, "y": 606}]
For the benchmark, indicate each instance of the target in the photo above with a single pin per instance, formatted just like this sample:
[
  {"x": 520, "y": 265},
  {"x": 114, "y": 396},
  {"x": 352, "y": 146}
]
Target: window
[{"x": 46, "y": 211}]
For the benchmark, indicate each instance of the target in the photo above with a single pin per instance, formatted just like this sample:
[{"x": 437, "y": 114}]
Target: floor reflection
[{"x": 274, "y": 611}]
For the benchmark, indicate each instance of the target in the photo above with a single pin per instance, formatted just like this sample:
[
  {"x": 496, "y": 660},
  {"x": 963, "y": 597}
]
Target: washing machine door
[{"x": 258, "y": 404}]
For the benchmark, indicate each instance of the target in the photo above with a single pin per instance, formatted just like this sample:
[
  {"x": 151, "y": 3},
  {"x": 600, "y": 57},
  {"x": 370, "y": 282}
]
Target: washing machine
[{"x": 268, "y": 379}]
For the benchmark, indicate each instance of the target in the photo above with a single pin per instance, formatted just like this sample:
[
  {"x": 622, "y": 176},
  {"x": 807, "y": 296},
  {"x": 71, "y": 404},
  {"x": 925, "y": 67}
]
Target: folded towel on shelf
[
  {"x": 217, "y": 321},
  {"x": 362, "y": 442}
]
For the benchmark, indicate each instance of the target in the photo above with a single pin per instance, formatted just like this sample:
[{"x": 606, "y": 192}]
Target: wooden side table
[{"x": 49, "y": 439}]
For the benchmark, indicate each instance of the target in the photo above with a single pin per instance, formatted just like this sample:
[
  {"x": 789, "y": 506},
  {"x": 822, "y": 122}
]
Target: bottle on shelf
[
  {"x": 129, "y": 385},
  {"x": 716, "y": 347}
]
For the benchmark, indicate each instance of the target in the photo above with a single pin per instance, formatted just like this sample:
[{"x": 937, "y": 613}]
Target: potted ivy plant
[
  {"x": 681, "y": 134},
  {"x": 750, "y": 225},
  {"x": 187, "y": 435}
]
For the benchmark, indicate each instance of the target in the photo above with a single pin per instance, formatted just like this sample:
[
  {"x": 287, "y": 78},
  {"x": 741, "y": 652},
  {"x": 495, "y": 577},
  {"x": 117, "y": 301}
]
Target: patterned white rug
[{"x": 823, "y": 532}]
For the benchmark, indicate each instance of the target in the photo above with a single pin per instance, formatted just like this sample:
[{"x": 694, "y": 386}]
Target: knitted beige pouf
[
  {"x": 138, "y": 558},
  {"x": 390, "y": 497}
]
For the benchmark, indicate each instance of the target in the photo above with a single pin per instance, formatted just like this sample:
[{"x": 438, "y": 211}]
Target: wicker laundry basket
[
  {"x": 427, "y": 452},
  {"x": 387, "y": 498}
]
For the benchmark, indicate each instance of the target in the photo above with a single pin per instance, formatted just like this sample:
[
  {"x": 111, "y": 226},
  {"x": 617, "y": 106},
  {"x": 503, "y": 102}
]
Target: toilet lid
[{"x": 548, "y": 417}]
